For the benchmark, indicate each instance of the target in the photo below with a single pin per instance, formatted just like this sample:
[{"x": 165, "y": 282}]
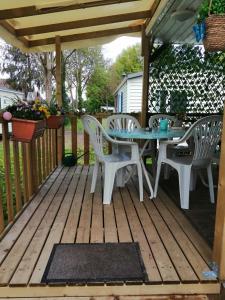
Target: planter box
[
  {"x": 27, "y": 130},
  {"x": 55, "y": 122}
]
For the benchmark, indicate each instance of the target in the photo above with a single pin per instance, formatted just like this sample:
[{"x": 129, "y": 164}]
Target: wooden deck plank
[
  {"x": 123, "y": 228},
  {"x": 186, "y": 245},
  {"x": 9, "y": 239},
  {"x": 162, "y": 259},
  {"x": 191, "y": 232},
  {"x": 110, "y": 229},
  {"x": 70, "y": 229},
  {"x": 83, "y": 231},
  {"x": 10, "y": 263},
  {"x": 97, "y": 231},
  {"x": 54, "y": 235},
  {"x": 26, "y": 266},
  {"x": 139, "y": 236},
  {"x": 183, "y": 268}
]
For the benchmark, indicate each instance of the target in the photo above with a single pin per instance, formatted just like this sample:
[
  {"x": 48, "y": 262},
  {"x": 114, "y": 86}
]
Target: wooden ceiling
[{"x": 33, "y": 25}]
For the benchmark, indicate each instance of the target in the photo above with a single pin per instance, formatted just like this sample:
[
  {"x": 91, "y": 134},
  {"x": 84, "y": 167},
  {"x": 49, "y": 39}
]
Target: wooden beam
[
  {"x": 11, "y": 30},
  {"x": 82, "y": 23},
  {"x": 28, "y": 11},
  {"x": 87, "y": 35},
  {"x": 219, "y": 235},
  {"x": 146, "y": 49}
]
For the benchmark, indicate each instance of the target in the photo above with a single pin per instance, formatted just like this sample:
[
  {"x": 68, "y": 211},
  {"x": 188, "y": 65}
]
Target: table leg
[{"x": 147, "y": 179}]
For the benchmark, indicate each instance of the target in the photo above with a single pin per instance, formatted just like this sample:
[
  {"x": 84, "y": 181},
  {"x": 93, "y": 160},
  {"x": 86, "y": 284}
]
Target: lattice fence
[{"x": 185, "y": 80}]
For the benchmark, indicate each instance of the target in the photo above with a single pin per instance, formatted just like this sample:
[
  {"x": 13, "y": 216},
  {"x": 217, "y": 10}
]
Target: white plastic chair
[
  {"x": 206, "y": 133},
  {"x": 154, "y": 120},
  {"x": 112, "y": 162}
]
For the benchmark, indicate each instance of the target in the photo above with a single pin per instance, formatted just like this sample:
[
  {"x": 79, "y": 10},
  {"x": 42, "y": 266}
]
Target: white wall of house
[
  {"x": 129, "y": 94},
  {"x": 7, "y": 97},
  {"x": 134, "y": 94}
]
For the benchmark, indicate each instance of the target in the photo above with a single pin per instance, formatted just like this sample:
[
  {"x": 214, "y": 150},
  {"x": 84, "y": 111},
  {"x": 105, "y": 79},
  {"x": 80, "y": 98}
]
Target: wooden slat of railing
[
  {"x": 29, "y": 170},
  {"x": 39, "y": 161},
  {"x": 47, "y": 152},
  {"x": 6, "y": 150},
  {"x": 2, "y": 223},
  {"x": 86, "y": 149},
  {"x": 50, "y": 150},
  {"x": 17, "y": 176},
  {"x": 24, "y": 166},
  {"x": 73, "y": 120},
  {"x": 54, "y": 148},
  {"x": 43, "y": 158},
  {"x": 34, "y": 165}
]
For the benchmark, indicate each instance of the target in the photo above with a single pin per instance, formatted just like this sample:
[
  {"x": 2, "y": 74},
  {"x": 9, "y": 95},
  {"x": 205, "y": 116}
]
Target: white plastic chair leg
[
  {"x": 94, "y": 177},
  {"x": 159, "y": 165},
  {"x": 110, "y": 172},
  {"x": 211, "y": 187},
  {"x": 140, "y": 179},
  {"x": 120, "y": 177},
  {"x": 184, "y": 173}
]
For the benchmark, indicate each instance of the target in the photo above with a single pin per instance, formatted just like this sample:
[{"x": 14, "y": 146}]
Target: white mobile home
[{"x": 128, "y": 94}]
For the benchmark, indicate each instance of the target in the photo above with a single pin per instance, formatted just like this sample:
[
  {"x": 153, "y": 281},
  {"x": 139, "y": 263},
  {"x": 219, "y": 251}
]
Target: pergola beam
[
  {"x": 87, "y": 35},
  {"x": 28, "y": 11},
  {"x": 82, "y": 23},
  {"x": 12, "y": 31}
]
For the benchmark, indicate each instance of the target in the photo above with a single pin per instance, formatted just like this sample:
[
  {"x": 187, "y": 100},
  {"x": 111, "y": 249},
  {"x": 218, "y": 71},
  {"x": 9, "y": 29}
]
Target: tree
[
  {"x": 98, "y": 90},
  {"x": 81, "y": 64},
  {"x": 24, "y": 69},
  {"x": 129, "y": 61}
]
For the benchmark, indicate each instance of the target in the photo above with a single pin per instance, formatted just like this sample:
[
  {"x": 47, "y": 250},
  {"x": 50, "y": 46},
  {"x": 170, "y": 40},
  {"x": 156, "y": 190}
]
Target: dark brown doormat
[{"x": 79, "y": 263}]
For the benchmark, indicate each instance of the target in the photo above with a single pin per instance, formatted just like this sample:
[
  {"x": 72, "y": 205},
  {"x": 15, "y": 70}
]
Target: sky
[{"x": 113, "y": 49}]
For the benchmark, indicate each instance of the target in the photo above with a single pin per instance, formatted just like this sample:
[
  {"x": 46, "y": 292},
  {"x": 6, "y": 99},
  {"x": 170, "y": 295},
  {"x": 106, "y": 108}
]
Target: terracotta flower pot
[
  {"x": 27, "y": 130},
  {"x": 55, "y": 122}
]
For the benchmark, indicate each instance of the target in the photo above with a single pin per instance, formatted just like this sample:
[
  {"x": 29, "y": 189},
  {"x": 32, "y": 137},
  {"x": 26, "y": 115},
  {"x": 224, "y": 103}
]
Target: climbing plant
[{"x": 185, "y": 79}]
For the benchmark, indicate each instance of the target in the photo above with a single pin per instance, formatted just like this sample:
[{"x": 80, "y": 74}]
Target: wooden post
[
  {"x": 219, "y": 236},
  {"x": 145, "y": 52},
  {"x": 73, "y": 121},
  {"x": 2, "y": 223},
  {"x": 6, "y": 150},
  {"x": 60, "y": 134}
]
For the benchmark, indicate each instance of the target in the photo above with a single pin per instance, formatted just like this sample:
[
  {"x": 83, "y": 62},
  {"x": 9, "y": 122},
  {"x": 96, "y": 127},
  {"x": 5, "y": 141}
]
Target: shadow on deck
[{"x": 64, "y": 211}]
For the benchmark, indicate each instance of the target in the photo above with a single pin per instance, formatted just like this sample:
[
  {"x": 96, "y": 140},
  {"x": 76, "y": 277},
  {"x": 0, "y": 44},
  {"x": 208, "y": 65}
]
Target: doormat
[{"x": 80, "y": 263}]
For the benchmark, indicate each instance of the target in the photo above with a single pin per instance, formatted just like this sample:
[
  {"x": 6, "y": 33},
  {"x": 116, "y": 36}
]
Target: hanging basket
[
  {"x": 215, "y": 33},
  {"x": 27, "y": 130},
  {"x": 55, "y": 122}
]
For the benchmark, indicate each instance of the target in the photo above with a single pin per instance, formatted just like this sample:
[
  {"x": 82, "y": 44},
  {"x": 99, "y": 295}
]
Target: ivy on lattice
[{"x": 185, "y": 79}]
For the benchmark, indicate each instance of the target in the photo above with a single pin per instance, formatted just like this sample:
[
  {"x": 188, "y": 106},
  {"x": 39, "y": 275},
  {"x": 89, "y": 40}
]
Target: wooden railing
[{"x": 25, "y": 166}]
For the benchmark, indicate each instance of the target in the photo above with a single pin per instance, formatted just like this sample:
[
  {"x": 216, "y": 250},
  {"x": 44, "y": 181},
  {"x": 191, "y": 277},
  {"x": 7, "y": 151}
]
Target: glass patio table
[{"x": 148, "y": 135}]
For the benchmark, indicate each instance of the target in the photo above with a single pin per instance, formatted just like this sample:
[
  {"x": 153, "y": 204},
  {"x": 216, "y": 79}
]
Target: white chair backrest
[
  {"x": 120, "y": 121},
  {"x": 155, "y": 120},
  {"x": 96, "y": 133},
  {"x": 206, "y": 133}
]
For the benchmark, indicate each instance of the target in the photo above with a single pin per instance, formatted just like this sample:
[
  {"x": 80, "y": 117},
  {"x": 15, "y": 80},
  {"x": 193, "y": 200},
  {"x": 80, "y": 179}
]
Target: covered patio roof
[{"x": 32, "y": 25}]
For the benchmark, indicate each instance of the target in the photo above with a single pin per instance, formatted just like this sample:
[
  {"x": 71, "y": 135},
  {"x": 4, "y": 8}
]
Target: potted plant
[
  {"x": 56, "y": 118},
  {"x": 211, "y": 25},
  {"x": 28, "y": 120}
]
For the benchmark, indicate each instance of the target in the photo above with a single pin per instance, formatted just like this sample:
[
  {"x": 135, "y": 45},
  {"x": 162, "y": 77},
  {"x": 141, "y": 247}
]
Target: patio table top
[{"x": 147, "y": 134}]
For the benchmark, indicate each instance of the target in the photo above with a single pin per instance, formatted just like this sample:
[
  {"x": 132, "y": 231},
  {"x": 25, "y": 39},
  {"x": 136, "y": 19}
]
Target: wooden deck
[{"x": 64, "y": 211}]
